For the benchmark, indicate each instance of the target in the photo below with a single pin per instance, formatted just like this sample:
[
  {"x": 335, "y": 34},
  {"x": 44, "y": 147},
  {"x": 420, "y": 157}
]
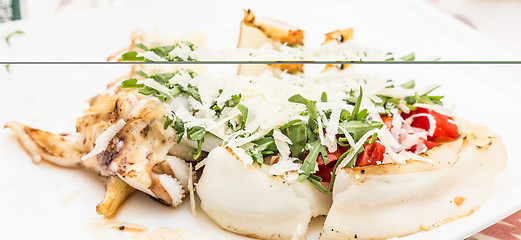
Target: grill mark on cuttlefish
[{"x": 113, "y": 151}]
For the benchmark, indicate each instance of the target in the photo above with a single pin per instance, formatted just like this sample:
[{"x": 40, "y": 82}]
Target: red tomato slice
[
  {"x": 445, "y": 130},
  {"x": 388, "y": 121},
  {"x": 325, "y": 170},
  {"x": 428, "y": 144},
  {"x": 373, "y": 154}
]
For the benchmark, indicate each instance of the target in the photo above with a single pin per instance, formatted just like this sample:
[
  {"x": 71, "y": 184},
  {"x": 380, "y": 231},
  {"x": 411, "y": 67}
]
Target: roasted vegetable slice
[{"x": 257, "y": 31}]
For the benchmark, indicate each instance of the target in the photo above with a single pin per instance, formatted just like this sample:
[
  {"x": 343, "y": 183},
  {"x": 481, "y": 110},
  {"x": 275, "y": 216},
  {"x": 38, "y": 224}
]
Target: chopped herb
[
  {"x": 262, "y": 147},
  {"x": 163, "y": 79},
  {"x": 179, "y": 128},
  {"x": 244, "y": 112},
  {"x": 323, "y": 98},
  {"x": 196, "y": 133},
  {"x": 409, "y": 57},
  {"x": 168, "y": 121},
  {"x": 232, "y": 102},
  {"x": 8, "y": 37},
  {"x": 131, "y": 83},
  {"x": 161, "y": 51},
  {"x": 192, "y": 91}
]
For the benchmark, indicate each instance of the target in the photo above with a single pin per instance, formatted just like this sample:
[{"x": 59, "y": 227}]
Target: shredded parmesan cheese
[
  {"x": 151, "y": 56},
  {"x": 102, "y": 141},
  {"x": 356, "y": 147},
  {"x": 282, "y": 142},
  {"x": 191, "y": 191}
]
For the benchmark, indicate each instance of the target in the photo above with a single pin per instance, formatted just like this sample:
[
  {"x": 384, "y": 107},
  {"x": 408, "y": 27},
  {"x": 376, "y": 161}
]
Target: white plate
[{"x": 51, "y": 202}]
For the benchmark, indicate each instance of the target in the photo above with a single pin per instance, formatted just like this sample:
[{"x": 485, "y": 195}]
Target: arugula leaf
[
  {"x": 147, "y": 90},
  {"x": 409, "y": 57},
  {"x": 354, "y": 114},
  {"x": 232, "y": 102},
  {"x": 178, "y": 126},
  {"x": 311, "y": 107},
  {"x": 196, "y": 133},
  {"x": 359, "y": 128},
  {"x": 361, "y": 115},
  {"x": 409, "y": 84},
  {"x": 256, "y": 156},
  {"x": 244, "y": 112},
  {"x": 345, "y": 115},
  {"x": 315, "y": 180},
  {"x": 266, "y": 144},
  {"x": 289, "y": 124},
  {"x": 340, "y": 159},
  {"x": 192, "y": 91},
  {"x": 372, "y": 139},
  {"x": 131, "y": 83},
  {"x": 262, "y": 146},
  {"x": 140, "y": 45},
  {"x": 161, "y": 51},
  {"x": 407, "y": 101},
  {"x": 309, "y": 163},
  {"x": 132, "y": 57},
  {"x": 352, "y": 161},
  {"x": 312, "y": 135},
  {"x": 298, "y": 136},
  {"x": 163, "y": 79},
  {"x": 410, "y": 100},
  {"x": 428, "y": 99},
  {"x": 142, "y": 74}
]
